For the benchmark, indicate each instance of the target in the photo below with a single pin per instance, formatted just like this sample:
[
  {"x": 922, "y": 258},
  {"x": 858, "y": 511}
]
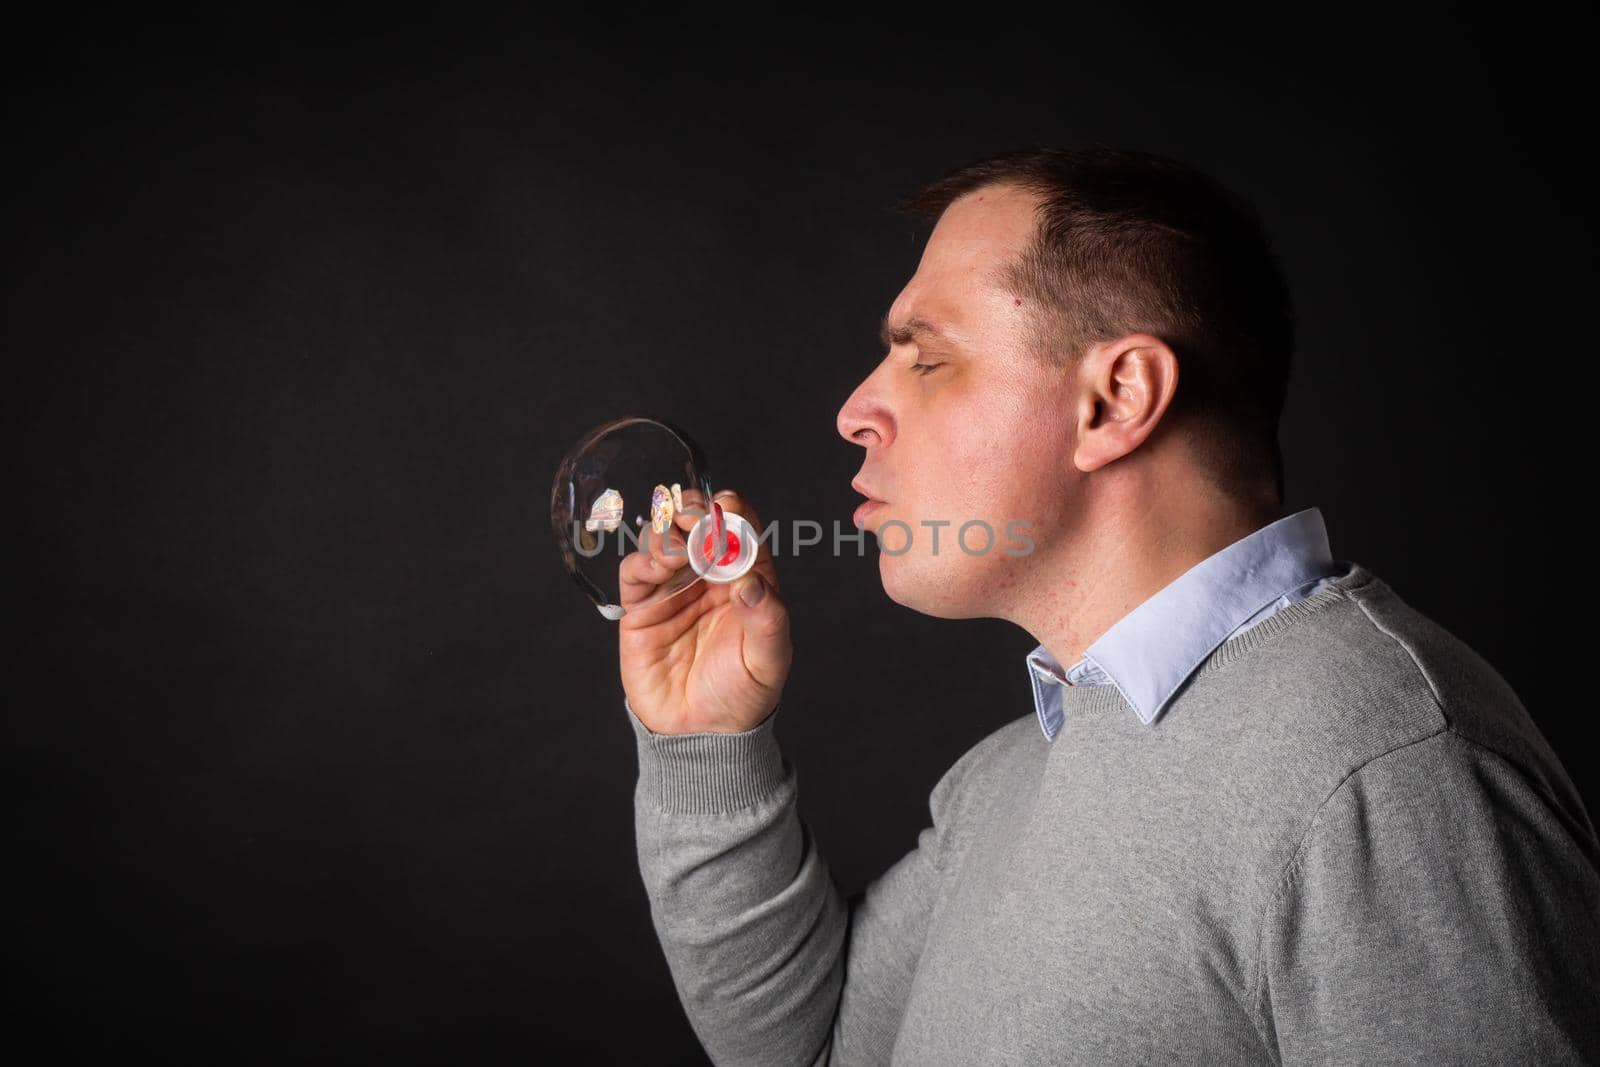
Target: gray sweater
[{"x": 1344, "y": 842}]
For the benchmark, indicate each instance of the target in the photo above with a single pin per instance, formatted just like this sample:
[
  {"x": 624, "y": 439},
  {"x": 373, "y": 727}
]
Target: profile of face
[{"x": 963, "y": 423}]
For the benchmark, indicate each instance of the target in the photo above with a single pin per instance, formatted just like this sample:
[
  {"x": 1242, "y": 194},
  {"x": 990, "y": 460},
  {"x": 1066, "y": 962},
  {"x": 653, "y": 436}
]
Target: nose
[{"x": 865, "y": 420}]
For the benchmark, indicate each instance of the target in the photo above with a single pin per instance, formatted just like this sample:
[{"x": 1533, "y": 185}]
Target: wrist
[{"x": 708, "y": 771}]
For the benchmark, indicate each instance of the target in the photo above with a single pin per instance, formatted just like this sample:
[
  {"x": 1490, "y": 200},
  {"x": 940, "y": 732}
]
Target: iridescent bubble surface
[{"x": 625, "y": 485}]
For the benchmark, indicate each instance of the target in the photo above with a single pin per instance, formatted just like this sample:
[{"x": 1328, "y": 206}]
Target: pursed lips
[
  {"x": 869, "y": 506},
  {"x": 861, "y": 487}
]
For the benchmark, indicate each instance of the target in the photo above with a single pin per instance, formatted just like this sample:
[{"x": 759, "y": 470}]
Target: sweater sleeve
[
  {"x": 772, "y": 963},
  {"x": 1439, "y": 910}
]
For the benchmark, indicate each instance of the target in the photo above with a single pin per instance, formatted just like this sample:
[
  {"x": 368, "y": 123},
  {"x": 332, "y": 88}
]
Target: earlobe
[{"x": 1091, "y": 435}]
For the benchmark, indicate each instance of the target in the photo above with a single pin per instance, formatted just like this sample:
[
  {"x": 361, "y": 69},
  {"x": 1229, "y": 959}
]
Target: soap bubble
[{"x": 627, "y": 484}]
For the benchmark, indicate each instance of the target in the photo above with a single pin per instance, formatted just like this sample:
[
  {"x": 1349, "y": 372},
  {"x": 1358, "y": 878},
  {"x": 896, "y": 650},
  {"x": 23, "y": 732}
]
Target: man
[{"x": 1262, "y": 811}]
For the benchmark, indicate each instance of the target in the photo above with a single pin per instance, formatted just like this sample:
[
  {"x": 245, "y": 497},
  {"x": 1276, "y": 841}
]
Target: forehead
[{"x": 959, "y": 273}]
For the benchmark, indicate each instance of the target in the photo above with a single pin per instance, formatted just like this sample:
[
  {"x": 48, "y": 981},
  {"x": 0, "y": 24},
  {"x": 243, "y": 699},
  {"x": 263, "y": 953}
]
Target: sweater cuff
[{"x": 708, "y": 772}]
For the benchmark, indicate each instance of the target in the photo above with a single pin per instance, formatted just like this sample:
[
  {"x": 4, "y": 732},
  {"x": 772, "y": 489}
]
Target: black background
[{"x": 321, "y": 755}]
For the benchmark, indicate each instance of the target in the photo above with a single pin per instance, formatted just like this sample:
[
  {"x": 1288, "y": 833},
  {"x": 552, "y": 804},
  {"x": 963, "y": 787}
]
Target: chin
[{"x": 931, "y": 587}]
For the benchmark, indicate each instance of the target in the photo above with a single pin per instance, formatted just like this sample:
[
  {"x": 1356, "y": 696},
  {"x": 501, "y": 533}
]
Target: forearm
[{"x": 748, "y": 915}]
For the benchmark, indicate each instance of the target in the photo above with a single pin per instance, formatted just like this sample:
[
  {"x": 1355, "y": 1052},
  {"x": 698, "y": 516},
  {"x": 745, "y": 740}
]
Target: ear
[{"x": 1125, "y": 386}]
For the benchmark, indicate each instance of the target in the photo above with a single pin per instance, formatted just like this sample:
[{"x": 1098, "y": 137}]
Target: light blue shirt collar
[{"x": 1153, "y": 649}]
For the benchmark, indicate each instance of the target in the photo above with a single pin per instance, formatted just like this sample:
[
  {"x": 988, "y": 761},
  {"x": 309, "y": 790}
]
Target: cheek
[
  {"x": 1016, "y": 486},
  {"x": 1006, "y": 461}
]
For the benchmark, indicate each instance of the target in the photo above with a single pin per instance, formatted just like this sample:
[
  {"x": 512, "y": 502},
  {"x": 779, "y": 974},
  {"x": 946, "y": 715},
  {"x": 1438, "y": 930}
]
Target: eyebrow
[{"x": 910, "y": 331}]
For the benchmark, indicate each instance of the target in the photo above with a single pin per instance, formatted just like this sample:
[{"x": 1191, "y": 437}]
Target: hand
[{"x": 712, "y": 658}]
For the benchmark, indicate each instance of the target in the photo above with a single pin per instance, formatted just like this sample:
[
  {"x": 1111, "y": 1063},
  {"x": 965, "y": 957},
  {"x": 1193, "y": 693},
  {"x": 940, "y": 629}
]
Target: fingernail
[{"x": 752, "y": 591}]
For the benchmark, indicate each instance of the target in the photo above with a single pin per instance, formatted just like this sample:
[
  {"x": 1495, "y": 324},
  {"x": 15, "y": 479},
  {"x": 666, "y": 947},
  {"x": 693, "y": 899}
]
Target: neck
[{"x": 1120, "y": 557}]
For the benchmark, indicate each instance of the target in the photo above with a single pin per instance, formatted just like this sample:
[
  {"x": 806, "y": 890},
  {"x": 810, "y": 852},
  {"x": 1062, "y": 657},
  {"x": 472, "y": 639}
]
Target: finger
[
  {"x": 658, "y": 559},
  {"x": 689, "y": 513},
  {"x": 764, "y": 618},
  {"x": 732, "y": 501},
  {"x": 639, "y": 574},
  {"x": 669, "y": 614},
  {"x": 670, "y": 545}
]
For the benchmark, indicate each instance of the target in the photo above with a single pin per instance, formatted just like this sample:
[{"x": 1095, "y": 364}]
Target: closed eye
[{"x": 926, "y": 368}]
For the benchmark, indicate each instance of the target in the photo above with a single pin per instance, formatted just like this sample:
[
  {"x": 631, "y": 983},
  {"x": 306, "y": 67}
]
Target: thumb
[{"x": 765, "y": 620}]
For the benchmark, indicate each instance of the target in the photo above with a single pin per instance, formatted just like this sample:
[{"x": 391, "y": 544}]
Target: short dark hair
[{"x": 1136, "y": 242}]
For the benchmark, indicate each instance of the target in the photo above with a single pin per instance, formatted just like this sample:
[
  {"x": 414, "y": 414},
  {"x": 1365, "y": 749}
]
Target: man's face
[{"x": 985, "y": 434}]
